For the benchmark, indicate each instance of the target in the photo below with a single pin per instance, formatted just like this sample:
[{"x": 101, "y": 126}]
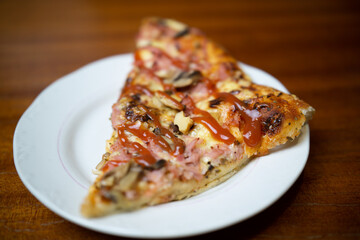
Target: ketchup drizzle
[
  {"x": 252, "y": 127},
  {"x": 133, "y": 88},
  {"x": 142, "y": 156},
  {"x": 178, "y": 143},
  {"x": 112, "y": 164},
  {"x": 219, "y": 133}
]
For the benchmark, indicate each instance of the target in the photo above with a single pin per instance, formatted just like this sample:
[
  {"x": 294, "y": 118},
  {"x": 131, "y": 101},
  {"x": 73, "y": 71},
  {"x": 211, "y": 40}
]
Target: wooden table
[{"x": 313, "y": 47}]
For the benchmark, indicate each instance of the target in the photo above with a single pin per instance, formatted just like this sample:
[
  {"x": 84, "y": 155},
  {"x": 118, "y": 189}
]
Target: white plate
[{"x": 61, "y": 137}]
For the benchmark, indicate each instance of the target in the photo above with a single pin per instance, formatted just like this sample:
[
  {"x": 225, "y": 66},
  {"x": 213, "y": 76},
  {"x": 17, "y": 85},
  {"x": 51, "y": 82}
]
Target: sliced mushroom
[
  {"x": 126, "y": 182},
  {"x": 108, "y": 195},
  {"x": 114, "y": 175},
  {"x": 185, "y": 79},
  {"x": 184, "y": 123},
  {"x": 108, "y": 181},
  {"x": 213, "y": 103},
  {"x": 168, "y": 101},
  {"x": 175, "y": 128},
  {"x": 158, "y": 165},
  {"x": 182, "y": 33}
]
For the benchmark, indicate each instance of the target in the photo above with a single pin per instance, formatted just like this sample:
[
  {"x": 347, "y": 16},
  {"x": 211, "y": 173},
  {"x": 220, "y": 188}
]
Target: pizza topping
[
  {"x": 104, "y": 159},
  {"x": 156, "y": 166},
  {"x": 160, "y": 138},
  {"x": 252, "y": 127},
  {"x": 148, "y": 136},
  {"x": 140, "y": 154},
  {"x": 205, "y": 118},
  {"x": 151, "y": 75},
  {"x": 185, "y": 79},
  {"x": 219, "y": 133},
  {"x": 213, "y": 103},
  {"x": 110, "y": 165},
  {"x": 259, "y": 106},
  {"x": 202, "y": 90},
  {"x": 149, "y": 55},
  {"x": 272, "y": 123},
  {"x": 165, "y": 73},
  {"x": 178, "y": 143},
  {"x": 210, "y": 86},
  {"x": 175, "y": 25},
  {"x": 136, "y": 97},
  {"x": 113, "y": 164},
  {"x": 190, "y": 160},
  {"x": 128, "y": 180},
  {"x": 224, "y": 71},
  {"x": 175, "y": 128},
  {"x": 183, "y": 123},
  {"x": 168, "y": 100},
  {"x": 157, "y": 131},
  {"x": 234, "y": 92},
  {"x": 182, "y": 33},
  {"x": 136, "y": 88},
  {"x": 134, "y": 112}
]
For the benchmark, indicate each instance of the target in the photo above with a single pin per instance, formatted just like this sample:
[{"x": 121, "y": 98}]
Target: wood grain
[{"x": 311, "y": 46}]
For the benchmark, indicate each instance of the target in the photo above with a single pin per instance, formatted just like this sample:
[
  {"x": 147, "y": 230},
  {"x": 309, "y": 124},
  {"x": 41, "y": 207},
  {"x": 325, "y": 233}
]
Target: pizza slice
[{"x": 187, "y": 119}]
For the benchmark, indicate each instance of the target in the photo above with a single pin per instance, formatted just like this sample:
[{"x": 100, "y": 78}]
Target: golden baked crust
[{"x": 188, "y": 118}]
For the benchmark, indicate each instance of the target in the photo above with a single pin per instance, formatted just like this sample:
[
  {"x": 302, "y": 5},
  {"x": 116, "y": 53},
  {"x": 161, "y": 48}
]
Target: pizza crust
[{"x": 95, "y": 206}]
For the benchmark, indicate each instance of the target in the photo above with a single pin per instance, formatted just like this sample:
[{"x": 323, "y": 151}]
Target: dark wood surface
[{"x": 313, "y": 47}]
